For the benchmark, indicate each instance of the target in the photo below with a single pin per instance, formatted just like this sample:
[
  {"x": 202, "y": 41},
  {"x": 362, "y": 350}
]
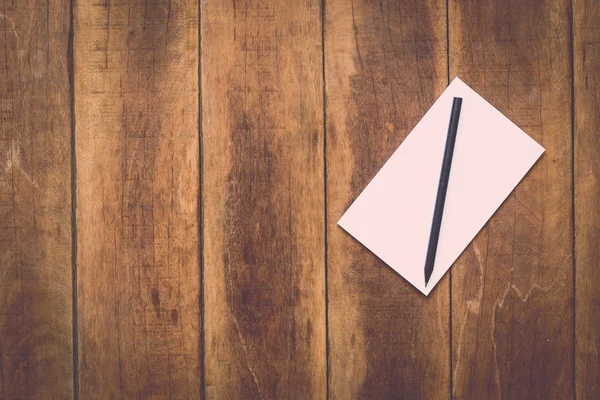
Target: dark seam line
[
  {"x": 448, "y": 41},
  {"x": 450, "y": 275},
  {"x": 202, "y": 348},
  {"x": 70, "y": 56},
  {"x": 572, "y": 55},
  {"x": 326, "y": 247}
]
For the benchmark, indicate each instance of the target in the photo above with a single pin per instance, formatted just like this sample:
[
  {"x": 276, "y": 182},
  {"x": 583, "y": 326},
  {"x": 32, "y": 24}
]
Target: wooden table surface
[{"x": 171, "y": 175}]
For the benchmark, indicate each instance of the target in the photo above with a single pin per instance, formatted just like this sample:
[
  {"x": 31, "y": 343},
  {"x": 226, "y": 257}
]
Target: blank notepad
[{"x": 392, "y": 216}]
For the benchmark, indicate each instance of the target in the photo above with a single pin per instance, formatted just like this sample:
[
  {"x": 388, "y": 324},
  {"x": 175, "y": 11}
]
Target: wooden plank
[
  {"x": 136, "y": 91},
  {"x": 586, "y": 32},
  {"x": 385, "y": 65},
  {"x": 263, "y": 199},
  {"x": 512, "y": 299},
  {"x": 36, "y": 354}
]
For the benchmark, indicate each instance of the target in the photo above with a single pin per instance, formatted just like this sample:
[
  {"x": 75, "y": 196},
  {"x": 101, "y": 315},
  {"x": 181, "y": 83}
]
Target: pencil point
[{"x": 428, "y": 273}]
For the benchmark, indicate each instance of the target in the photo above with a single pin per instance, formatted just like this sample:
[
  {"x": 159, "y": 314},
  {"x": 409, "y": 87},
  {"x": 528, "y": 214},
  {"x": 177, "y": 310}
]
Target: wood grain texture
[
  {"x": 385, "y": 65},
  {"x": 136, "y": 92},
  {"x": 36, "y": 357},
  {"x": 586, "y": 53},
  {"x": 512, "y": 299},
  {"x": 263, "y": 199}
]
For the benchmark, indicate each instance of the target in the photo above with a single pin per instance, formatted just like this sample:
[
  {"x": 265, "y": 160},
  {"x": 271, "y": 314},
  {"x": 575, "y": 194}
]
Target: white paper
[{"x": 392, "y": 216}]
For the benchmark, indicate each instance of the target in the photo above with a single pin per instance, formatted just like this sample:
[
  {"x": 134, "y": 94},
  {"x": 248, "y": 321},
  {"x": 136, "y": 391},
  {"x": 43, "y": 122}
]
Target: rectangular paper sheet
[{"x": 393, "y": 215}]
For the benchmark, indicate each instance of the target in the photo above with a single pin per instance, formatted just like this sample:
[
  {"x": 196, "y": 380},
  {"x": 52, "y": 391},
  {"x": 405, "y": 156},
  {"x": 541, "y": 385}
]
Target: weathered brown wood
[
  {"x": 136, "y": 92},
  {"x": 385, "y": 65},
  {"x": 586, "y": 35},
  {"x": 512, "y": 299},
  {"x": 263, "y": 199},
  {"x": 36, "y": 356}
]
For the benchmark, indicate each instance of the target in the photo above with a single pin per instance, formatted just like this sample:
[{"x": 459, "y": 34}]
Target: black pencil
[{"x": 440, "y": 199}]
